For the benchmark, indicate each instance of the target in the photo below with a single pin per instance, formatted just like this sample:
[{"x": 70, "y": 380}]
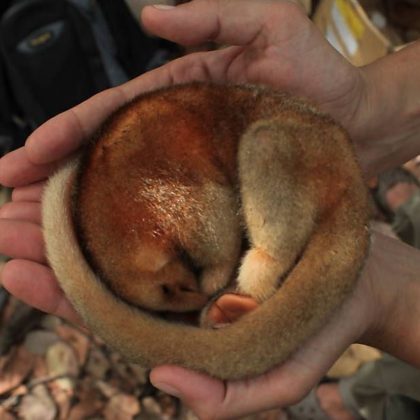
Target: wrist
[
  {"x": 395, "y": 289},
  {"x": 386, "y": 126}
]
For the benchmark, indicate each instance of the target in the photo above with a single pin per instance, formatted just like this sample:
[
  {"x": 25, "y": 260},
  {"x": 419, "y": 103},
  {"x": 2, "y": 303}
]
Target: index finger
[{"x": 225, "y": 22}]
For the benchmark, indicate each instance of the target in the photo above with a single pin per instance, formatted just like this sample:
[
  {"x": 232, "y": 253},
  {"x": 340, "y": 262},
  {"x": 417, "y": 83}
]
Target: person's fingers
[
  {"x": 21, "y": 239},
  {"x": 270, "y": 39},
  {"x": 22, "y": 211},
  {"x": 210, "y": 398},
  {"x": 16, "y": 169},
  {"x": 282, "y": 386},
  {"x": 31, "y": 192},
  {"x": 35, "y": 285},
  {"x": 209, "y": 394},
  {"x": 200, "y": 21}
]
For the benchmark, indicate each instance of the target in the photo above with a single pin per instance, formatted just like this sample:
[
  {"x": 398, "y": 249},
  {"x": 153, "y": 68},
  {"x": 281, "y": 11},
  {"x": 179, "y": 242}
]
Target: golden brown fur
[{"x": 160, "y": 202}]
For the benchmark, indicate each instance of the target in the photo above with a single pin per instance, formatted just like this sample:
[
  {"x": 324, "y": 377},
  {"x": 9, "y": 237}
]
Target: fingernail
[
  {"x": 163, "y": 6},
  {"x": 167, "y": 388}
]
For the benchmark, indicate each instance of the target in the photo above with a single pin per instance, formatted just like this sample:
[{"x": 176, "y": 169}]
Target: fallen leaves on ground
[{"x": 62, "y": 372}]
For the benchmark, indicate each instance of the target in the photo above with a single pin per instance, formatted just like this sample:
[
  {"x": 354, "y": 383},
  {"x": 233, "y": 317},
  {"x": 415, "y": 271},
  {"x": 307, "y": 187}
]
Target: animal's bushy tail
[{"x": 250, "y": 346}]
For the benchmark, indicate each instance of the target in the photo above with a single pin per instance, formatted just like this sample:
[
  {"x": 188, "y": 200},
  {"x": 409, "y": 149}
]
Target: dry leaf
[
  {"x": 85, "y": 409},
  {"x": 9, "y": 310},
  {"x": 6, "y": 415},
  {"x": 61, "y": 360},
  {"x": 51, "y": 322},
  {"x": 188, "y": 414},
  {"x": 79, "y": 341},
  {"x": 19, "y": 391},
  {"x": 38, "y": 341},
  {"x": 141, "y": 374},
  {"x": 89, "y": 404},
  {"x": 168, "y": 405},
  {"x": 62, "y": 399},
  {"x": 106, "y": 389},
  {"x": 38, "y": 405},
  {"x": 366, "y": 353},
  {"x": 10, "y": 402},
  {"x": 122, "y": 407},
  {"x": 150, "y": 405},
  {"x": 6, "y": 312},
  {"x": 125, "y": 373},
  {"x": 352, "y": 359},
  {"x": 97, "y": 364},
  {"x": 122, "y": 369},
  {"x": 40, "y": 368},
  {"x": 14, "y": 368}
]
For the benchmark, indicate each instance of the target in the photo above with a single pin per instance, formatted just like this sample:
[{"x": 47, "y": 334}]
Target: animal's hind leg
[{"x": 277, "y": 204}]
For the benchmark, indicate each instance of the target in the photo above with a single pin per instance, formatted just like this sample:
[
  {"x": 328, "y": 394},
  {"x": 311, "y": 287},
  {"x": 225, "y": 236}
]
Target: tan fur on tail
[{"x": 152, "y": 216}]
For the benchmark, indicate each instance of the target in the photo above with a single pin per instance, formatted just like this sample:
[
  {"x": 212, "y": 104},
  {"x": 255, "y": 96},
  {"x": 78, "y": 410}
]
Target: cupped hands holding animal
[{"x": 272, "y": 43}]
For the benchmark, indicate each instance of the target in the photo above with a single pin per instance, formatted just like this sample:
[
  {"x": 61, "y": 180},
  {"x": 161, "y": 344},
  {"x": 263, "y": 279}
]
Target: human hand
[
  {"x": 383, "y": 311},
  {"x": 273, "y": 44}
]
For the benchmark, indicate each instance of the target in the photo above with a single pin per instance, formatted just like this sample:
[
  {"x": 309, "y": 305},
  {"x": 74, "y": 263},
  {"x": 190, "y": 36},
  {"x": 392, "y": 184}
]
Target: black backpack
[{"x": 56, "y": 53}]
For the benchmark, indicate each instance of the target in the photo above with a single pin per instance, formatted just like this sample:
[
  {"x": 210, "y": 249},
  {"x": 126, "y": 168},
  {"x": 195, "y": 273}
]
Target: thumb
[
  {"x": 203, "y": 394},
  {"x": 200, "y": 21},
  {"x": 211, "y": 398}
]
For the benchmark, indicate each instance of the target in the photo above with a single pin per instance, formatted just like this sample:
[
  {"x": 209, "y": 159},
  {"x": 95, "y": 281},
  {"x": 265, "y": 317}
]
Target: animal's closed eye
[
  {"x": 186, "y": 289},
  {"x": 167, "y": 290}
]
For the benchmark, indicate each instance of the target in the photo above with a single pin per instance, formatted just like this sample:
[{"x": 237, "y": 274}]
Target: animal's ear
[{"x": 226, "y": 309}]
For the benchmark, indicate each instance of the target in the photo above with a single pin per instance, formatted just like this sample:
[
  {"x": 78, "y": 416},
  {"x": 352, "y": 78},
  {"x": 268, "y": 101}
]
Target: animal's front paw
[{"x": 214, "y": 279}]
